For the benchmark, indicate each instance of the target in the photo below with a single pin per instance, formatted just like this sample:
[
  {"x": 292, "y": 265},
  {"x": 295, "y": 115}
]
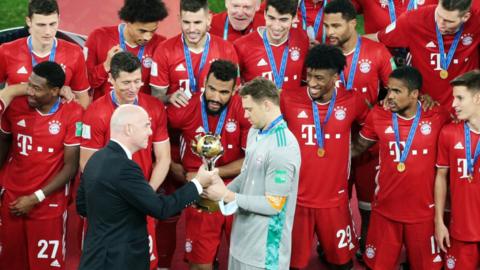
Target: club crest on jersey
[
  {"x": 370, "y": 251},
  {"x": 54, "y": 127},
  {"x": 231, "y": 126},
  {"x": 467, "y": 39},
  {"x": 340, "y": 113},
  {"x": 147, "y": 62},
  {"x": 365, "y": 65},
  {"x": 425, "y": 127},
  {"x": 188, "y": 246},
  {"x": 294, "y": 53},
  {"x": 451, "y": 262}
]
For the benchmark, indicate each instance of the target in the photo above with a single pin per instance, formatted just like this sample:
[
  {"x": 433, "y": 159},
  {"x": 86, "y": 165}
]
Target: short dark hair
[
  {"x": 193, "y": 5},
  {"x": 261, "y": 89},
  {"x": 52, "y": 72},
  {"x": 471, "y": 80},
  {"x": 224, "y": 70},
  {"x": 462, "y": 6},
  {"x": 124, "y": 61},
  {"x": 410, "y": 76},
  {"x": 42, "y": 7},
  {"x": 283, "y": 6},
  {"x": 326, "y": 57},
  {"x": 143, "y": 11},
  {"x": 345, "y": 7}
]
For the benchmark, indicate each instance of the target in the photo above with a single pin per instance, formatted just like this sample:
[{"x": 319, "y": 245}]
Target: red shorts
[
  {"x": 204, "y": 234},
  {"x": 335, "y": 232},
  {"x": 364, "y": 173},
  {"x": 31, "y": 242},
  {"x": 152, "y": 244},
  {"x": 462, "y": 255},
  {"x": 385, "y": 240}
]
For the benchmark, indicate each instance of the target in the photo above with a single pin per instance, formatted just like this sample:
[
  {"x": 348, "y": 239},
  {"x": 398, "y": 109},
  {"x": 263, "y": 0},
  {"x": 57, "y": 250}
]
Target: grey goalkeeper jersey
[{"x": 261, "y": 233}]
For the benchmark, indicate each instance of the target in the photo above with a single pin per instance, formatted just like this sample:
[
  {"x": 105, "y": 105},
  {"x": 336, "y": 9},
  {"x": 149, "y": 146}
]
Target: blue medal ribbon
[
  {"x": 411, "y": 133},
  {"x": 277, "y": 76},
  {"x": 123, "y": 44},
  {"x": 274, "y": 123},
  {"x": 316, "y": 118},
  {"x": 225, "y": 29},
  {"x": 391, "y": 9},
  {"x": 353, "y": 67},
  {"x": 188, "y": 60},
  {"x": 468, "y": 150},
  {"x": 445, "y": 60},
  {"x": 318, "y": 19},
  {"x": 55, "y": 106},
  {"x": 53, "y": 51},
  {"x": 221, "y": 121},
  {"x": 115, "y": 101}
]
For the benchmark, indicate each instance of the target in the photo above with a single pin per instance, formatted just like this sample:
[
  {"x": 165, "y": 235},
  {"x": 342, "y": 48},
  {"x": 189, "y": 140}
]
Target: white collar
[{"x": 125, "y": 149}]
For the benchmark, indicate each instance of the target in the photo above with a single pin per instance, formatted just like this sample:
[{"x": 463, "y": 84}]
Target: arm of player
[
  {"x": 441, "y": 231},
  {"x": 359, "y": 145},
  {"x": 10, "y": 92},
  {"x": 82, "y": 98},
  {"x": 160, "y": 93},
  {"x": 23, "y": 204},
  {"x": 161, "y": 151},
  {"x": 373, "y": 36},
  {"x": 85, "y": 155},
  {"x": 98, "y": 72},
  {"x": 231, "y": 169}
]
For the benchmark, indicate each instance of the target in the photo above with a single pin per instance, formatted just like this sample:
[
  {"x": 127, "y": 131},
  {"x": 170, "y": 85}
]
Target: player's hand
[
  {"x": 427, "y": 102},
  {"x": 204, "y": 177},
  {"x": 178, "y": 172},
  {"x": 22, "y": 205},
  {"x": 114, "y": 50},
  {"x": 178, "y": 99},
  {"x": 217, "y": 190},
  {"x": 442, "y": 236},
  {"x": 67, "y": 94}
]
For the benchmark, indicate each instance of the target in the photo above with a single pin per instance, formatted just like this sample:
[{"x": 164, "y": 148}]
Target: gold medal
[
  {"x": 401, "y": 167},
  {"x": 443, "y": 74},
  {"x": 321, "y": 152}
]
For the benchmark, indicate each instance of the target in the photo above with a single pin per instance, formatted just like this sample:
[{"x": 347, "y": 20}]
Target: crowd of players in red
[{"x": 421, "y": 125}]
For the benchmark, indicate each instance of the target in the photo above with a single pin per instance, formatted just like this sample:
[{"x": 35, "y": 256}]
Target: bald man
[{"x": 116, "y": 198}]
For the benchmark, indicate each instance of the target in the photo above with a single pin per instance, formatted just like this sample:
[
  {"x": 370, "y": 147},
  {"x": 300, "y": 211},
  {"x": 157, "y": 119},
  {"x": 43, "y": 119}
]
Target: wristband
[{"x": 40, "y": 195}]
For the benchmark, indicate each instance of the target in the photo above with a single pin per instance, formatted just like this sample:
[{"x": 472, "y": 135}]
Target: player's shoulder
[
  {"x": 104, "y": 31},
  {"x": 18, "y": 105},
  {"x": 150, "y": 102},
  {"x": 171, "y": 44},
  {"x": 298, "y": 35},
  {"x": 284, "y": 140},
  {"x": 294, "y": 95},
  {"x": 245, "y": 41},
  {"x": 156, "y": 40},
  {"x": 220, "y": 43},
  {"x": 68, "y": 46},
  {"x": 453, "y": 128},
  {"x": 72, "y": 107},
  {"x": 100, "y": 108},
  {"x": 438, "y": 111},
  {"x": 372, "y": 45},
  {"x": 14, "y": 45}
]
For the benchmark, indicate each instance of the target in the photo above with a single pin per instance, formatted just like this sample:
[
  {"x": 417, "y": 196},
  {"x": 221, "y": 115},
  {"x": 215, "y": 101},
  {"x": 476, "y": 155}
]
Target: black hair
[
  {"x": 52, "y": 72},
  {"x": 463, "y": 6},
  {"x": 124, "y": 61},
  {"x": 42, "y": 7},
  {"x": 224, "y": 70},
  {"x": 143, "y": 11},
  {"x": 283, "y": 6},
  {"x": 193, "y": 5},
  {"x": 410, "y": 76},
  {"x": 326, "y": 57},
  {"x": 471, "y": 80},
  {"x": 345, "y": 7},
  {"x": 261, "y": 89}
]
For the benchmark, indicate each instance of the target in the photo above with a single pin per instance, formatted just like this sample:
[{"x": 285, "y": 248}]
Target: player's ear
[
  {"x": 466, "y": 16},
  {"x": 476, "y": 98},
  {"x": 55, "y": 91},
  {"x": 28, "y": 21},
  {"x": 110, "y": 78},
  {"x": 415, "y": 93}
]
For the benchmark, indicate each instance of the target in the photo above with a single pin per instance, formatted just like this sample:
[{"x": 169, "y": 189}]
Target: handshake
[{"x": 214, "y": 187}]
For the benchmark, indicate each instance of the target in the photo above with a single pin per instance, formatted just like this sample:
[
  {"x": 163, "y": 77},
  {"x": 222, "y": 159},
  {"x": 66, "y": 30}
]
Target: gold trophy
[{"x": 210, "y": 149}]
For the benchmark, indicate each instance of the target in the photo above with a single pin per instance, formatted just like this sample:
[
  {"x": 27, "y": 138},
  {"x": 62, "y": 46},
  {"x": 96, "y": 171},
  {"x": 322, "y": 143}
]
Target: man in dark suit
[{"x": 116, "y": 198}]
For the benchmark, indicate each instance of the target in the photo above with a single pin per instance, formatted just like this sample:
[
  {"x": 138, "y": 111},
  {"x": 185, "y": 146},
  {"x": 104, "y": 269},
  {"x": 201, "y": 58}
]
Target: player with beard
[
  {"x": 136, "y": 34},
  {"x": 276, "y": 51},
  {"x": 219, "y": 111},
  {"x": 402, "y": 210},
  {"x": 239, "y": 19},
  {"x": 321, "y": 116},
  {"x": 181, "y": 62},
  {"x": 458, "y": 152}
]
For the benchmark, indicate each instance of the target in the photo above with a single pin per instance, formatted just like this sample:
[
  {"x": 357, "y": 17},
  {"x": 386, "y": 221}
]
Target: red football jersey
[
  {"x": 36, "y": 152},
  {"x": 405, "y": 196},
  {"x": 312, "y": 12},
  {"x": 96, "y": 127},
  {"x": 254, "y": 60},
  {"x": 99, "y": 42},
  {"x": 377, "y": 15},
  {"x": 374, "y": 65},
  {"x": 419, "y": 27},
  {"x": 189, "y": 121},
  {"x": 218, "y": 26},
  {"x": 16, "y": 63},
  {"x": 169, "y": 67},
  {"x": 464, "y": 196},
  {"x": 328, "y": 188}
]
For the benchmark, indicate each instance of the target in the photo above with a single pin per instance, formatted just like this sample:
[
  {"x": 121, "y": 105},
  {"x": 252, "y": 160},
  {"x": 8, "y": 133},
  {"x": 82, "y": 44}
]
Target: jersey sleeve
[
  {"x": 79, "y": 81},
  {"x": 97, "y": 75},
  {"x": 386, "y": 64},
  {"x": 361, "y": 108},
  {"x": 244, "y": 127},
  {"x": 159, "y": 73},
  {"x": 5, "y": 122},
  {"x": 443, "y": 147},
  {"x": 175, "y": 116},
  {"x": 74, "y": 127},
  {"x": 396, "y": 34},
  {"x": 93, "y": 130},
  {"x": 160, "y": 134},
  {"x": 368, "y": 129},
  {"x": 3, "y": 64}
]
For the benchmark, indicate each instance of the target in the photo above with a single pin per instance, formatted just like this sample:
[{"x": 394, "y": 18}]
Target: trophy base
[{"x": 208, "y": 205}]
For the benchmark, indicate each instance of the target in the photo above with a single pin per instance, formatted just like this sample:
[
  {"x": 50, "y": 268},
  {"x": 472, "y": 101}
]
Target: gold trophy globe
[{"x": 210, "y": 149}]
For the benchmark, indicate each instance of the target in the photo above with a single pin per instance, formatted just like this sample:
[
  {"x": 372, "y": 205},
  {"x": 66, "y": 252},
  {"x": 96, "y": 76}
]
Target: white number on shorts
[
  {"x": 43, "y": 244},
  {"x": 344, "y": 235},
  {"x": 435, "y": 248},
  {"x": 150, "y": 244}
]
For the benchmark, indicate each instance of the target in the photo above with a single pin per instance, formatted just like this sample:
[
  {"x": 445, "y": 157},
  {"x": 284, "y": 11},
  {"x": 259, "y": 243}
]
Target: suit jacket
[{"x": 116, "y": 198}]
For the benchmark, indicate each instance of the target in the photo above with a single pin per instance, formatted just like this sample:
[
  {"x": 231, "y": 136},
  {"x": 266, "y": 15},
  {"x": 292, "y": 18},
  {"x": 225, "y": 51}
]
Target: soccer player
[
  {"x": 276, "y": 51},
  {"x": 402, "y": 211},
  {"x": 41, "y": 136},
  {"x": 17, "y": 58},
  {"x": 136, "y": 35},
  {"x": 181, "y": 63},
  {"x": 458, "y": 151},
  {"x": 239, "y": 19},
  {"x": 126, "y": 79},
  {"x": 264, "y": 194},
  {"x": 219, "y": 111},
  {"x": 311, "y": 15},
  {"x": 443, "y": 41},
  {"x": 321, "y": 116}
]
